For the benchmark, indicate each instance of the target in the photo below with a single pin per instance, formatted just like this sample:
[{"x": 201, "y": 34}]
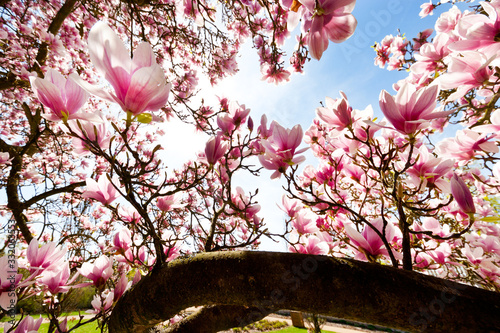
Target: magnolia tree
[{"x": 87, "y": 87}]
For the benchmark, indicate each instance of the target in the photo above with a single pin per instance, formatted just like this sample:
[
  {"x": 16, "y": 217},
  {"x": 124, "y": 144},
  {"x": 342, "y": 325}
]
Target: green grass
[
  {"x": 36, "y": 316},
  {"x": 298, "y": 330},
  {"x": 93, "y": 327},
  {"x": 87, "y": 328},
  {"x": 262, "y": 325}
]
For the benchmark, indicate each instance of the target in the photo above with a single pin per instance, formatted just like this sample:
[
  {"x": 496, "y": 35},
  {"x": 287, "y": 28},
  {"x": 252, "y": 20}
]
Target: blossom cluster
[
  {"x": 81, "y": 146},
  {"x": 392, "y": 190}
]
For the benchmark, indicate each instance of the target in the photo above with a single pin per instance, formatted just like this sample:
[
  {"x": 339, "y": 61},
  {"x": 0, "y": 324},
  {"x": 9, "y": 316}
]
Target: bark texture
[
  {"x": 342, "y": 288},
  {"x": 215, "y": 318}
]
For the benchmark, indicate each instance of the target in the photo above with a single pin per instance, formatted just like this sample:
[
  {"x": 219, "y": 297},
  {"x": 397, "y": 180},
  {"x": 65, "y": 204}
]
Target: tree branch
[
  {"x": 341, "y": 288},
  {"x": 13, "y": 201},
  {"x": 11, "y": 80},
  {"x": 54, "y": 27},
  {"x": 215, "y": 318},
  {"x": 54, "y": 191}
]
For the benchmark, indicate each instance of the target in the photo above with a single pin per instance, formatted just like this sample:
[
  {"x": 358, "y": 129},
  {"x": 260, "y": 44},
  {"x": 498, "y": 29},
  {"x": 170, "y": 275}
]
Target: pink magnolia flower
[
  {"x": 489, "y": 270},
  {"x": 441, "y": 253},
  {"x": 86, "y": 130},
  {"x": 63, "y": 97},
  {"x": 422, "y": 260},
  {"x": 355, "y": 173},
  {"x": 427, "y": 9},
  {"x": 398, "y": 48},
  {"x": 421, "y": 38},
  {"x": 313, "y": 245},
  {"x": 466, "y": 144},
  {"x": 271, "y": 74},
  {"x": 103, "y": 190},
  {"x": 122, "y": 240},
  {"x": 280, "y": 149},
  {"x": 327, "y": 20},
  {"x": 475, "y": 256},
  {"x": 337, "y": 112},
  {"x": 172, "y": 252},
  {"x": 410, "y": 110},
  {"x": 431, "y": 224},
  {"x": 462, "y": 195},
  {"x": 304, "y": 224},
  {"x": 132, "y": 255},
  {"x": 101, "y": 304},
  {"x": 290, "y": 206},
  {"x": 237, "y": 115},
  {"x": 242, "y": 202},
  {"x": 448, "y": 20},
  {"x": 137, "y": 277},
  {"x": 121, "y": 286},
  {"x": 383, "y": 51},
  {"x": 27, "y": 325},
  {"x": 490, "y": 244},
  {"x": 169, "y": 202},
  {"x": 45, "y": 257},
  {"x": 468, "y": 71},
  {"x": 225, "y": 123},
  {"x": 368, "y": 242},
  {"x": 429, "y": 170},
  {"x": 186, "y": 85},
  {"x": 63, "y": 326},
  {"x": 139, "y": 83},
  {"x": 54, "y": 42},
  {"x": 430, "y": 55},
  {"x": 325, "y": 173},
  {"x": 129, "y": 214},
  {"x": 4, "y": 158},
  {"x": 190, "y": 9},
  {"x": 265, "y": 132},
  {"x": 56, "y": 281},
  {"x": 479, "y": 32},
  {"x": 99, "y": 272},
  {"x": 215, "y": 149}
]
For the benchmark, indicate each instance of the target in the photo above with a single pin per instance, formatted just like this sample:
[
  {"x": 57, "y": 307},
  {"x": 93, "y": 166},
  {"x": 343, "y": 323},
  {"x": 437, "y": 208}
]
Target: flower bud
[{"x": 462, "y": 195}]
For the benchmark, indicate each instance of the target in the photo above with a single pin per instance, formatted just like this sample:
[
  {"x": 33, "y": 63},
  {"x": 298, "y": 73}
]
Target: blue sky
[{"x": 348, "y": 67}]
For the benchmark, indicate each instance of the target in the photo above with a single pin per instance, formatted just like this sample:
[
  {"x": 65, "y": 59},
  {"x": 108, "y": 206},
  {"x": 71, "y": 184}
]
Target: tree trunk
[{"x": 341, "y": 288}]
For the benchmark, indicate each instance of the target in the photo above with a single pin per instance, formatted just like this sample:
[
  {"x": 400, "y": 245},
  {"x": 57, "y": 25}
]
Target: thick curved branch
[
  {"x": 215, "y": 318},
  {"x": 341, "y": 288}
]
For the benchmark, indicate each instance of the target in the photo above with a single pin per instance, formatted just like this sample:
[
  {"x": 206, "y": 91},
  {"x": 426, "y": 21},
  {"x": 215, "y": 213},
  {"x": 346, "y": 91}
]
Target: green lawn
[
  {"x": 88, "y": 328},
  {"x": 93, "y": 328},
  {"x": 70, "y": 314},
  {"x": 298, "y": 330}
]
